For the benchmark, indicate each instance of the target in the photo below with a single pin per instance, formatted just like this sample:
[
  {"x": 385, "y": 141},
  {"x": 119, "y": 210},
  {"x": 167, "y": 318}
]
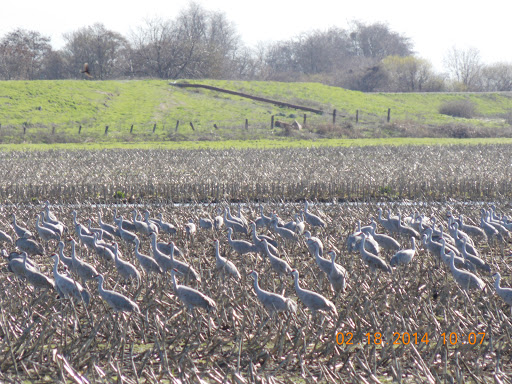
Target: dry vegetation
[
  {"x": 478, "y": 172},
  {"x": 45, "y": 339}
]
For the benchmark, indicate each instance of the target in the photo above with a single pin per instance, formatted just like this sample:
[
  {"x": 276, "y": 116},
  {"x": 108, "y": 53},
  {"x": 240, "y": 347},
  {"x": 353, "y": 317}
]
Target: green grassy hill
[{"x": 53, "y": 111}]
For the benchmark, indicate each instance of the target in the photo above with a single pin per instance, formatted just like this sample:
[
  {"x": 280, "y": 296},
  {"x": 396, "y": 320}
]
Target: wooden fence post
[
  {"x": 192, "y": 125},
  {"x": 106, "y": 129},
  {"x": 215, "y": 126},
  {"x": 389, "y": 114},
  {"x": 246, "y": 124},
  {"x": 334, "y": 117},
  {"x": 304, "y": 123},
  {"x": 177, "y": 125},
  {"x": 80, "y": 129},
  {"x": 24, "y": 129},
  {"x": 357, "y": 115},
  {"x": 53, "y": 130},
  {"x": 272, "y": 122},
  {"x": 131, "y": 129},
  {"x": 154, "y": 128}
]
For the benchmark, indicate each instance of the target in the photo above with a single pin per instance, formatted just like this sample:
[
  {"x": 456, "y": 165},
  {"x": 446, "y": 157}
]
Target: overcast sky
[{"x": 433, "y": 27}]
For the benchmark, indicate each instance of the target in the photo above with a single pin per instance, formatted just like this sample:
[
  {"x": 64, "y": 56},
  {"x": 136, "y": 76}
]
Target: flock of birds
[{"x": 454, "y": 247}]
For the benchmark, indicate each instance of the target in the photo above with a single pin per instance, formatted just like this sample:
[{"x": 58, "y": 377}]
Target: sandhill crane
[
  {"x": 162, "y": 259},
  {"x": 68, "y": 287},
  {"x": 459, "y": 261},
  {"x": 125, "y": 224},
  {"x": 4, "y": 237},
  {"x": 20, "y": 231},
  {"x": 224, "y": 265},
  {"x": 30, "y": 246},
  {"x": 390, "y": 224},
  {"x": 234, "y": 225},
  {"x": 504, "y": 293},
  {"x": 323, "y": 264},
  {"x": 314, "y": 301},
  {"x": 272, "y": 302},
  {"x": 166, "y": 227},
  {"x": 37, "y": 279},
  {"x": 354, "y": 241},
  {"x": 126, "y": 235},
  {"x": 102, "y": 234},
  {"x": 102, "y": 250},
  {"x": 79, "y": 226},
  {"x": 262, "y": 221},
  {"x": 182, "y": 267},
  {"x": 205, "y": 223},
  {"x": 240, "y": 246},
  {"x": 56, "y": 227},
  {"x": 474, "y": 257},
  {"x": 114, "y": 231},
  {"x": 87, "y": 240},
  {"x": 490, "y": 231},
  {"x": 49, "y": 217},
  {"x": 404, "y": 256},
  {"x": 235, "y": 218},
  {"x": 241, "y": 216},
  {"x": 373, "y": 261},
  {"x": 385, "y": 242},
  {"x": 165, "y": 248},
  {"x": 258, "y": 241},
  {"x": 465, "y": 279},
  {"x": 153, "y": 226},
  {"x": 279, "y": 265},
  {"x": 286, "y": 234},
  {"x": 471, "y": 230},
  {"x": 300, "y": 225},
  {"x": 125, "y": 269},
  {"x": 337, "y": 275},
  {"x": 67, "y": 261},
  {"x": 116, "y": 301},
  {"x": 16, "y": 264},
  {"x": 83, "y": 269},
  {"x": 313, "y": 243},
  {"x": 140, "y": 226},
  {"x": 218, "y": 222},
  {"x": 190, "y": 229},
  {"x": 191, "y": 297},
  {"x": 147, "y": 263},
  {"x": 45, "y": 233},
  {"x": 312, "y": 219},
  {"x": 406, "y": 230}
]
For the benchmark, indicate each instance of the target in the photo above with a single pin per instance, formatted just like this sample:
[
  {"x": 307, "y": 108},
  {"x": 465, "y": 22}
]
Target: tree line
[{"x": 204, "y": 44}]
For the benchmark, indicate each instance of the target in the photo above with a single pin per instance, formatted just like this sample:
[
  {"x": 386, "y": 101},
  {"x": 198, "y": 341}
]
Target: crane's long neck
[
  {"x": 296, "y": 279},
  {"x": 172, "y": 251},
  {"x": 256, "y": 285},
  {"x": 174, "y": 284},
  {"x": 55, "y": 266},
  {"x": 497, "y": 283},
  {"x": 217, "y": 255}
]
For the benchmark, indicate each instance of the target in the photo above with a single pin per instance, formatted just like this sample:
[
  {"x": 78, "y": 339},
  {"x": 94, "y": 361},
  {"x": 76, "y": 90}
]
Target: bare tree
[
  {"x": 464, "y": 67},
  {"x": 104, "y": 50},
  {"x": 497, "y": 77},
  {"x": 411, "y": 74},
  {"x": 22, "y": 54}
]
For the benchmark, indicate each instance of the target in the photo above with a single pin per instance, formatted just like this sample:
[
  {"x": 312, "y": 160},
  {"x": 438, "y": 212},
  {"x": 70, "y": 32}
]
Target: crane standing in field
[
  {"x": 272, "y": 302},
  {"x": 312, "y": 219},
  {"x": 337, "y": 275},
  {"x": 116, "y": 301},
  {"x": 223, "y": 265},
  {"x": 191, "y": 297},
  {"x": 314, "y": 301},
  {"x": 68, "y": 287},
  {"x": 504, "y": 293},
  {"x": 20, "y": 231}
]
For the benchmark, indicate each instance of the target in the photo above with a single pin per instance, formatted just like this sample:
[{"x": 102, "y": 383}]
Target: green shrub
[{"x": 458, "y": 108}]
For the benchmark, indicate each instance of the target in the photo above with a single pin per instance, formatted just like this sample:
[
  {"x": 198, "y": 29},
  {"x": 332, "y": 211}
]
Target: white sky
[{"x": 434, "y": 26}]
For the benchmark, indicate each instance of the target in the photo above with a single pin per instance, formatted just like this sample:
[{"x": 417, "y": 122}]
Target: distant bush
[{"x": 458, "y": 108}]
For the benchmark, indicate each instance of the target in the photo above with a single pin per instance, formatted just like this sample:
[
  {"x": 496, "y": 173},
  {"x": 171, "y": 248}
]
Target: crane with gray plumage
[
  {"x": 5, "y": 237},
  {"x": 287, "y": 234},
  {"x": 126, "y": 235},
  {"x": 117, "y": 301},
  {"x": 102, "y": 250},
  {"x": 262, "y": 221},
  {"x": 465, "y": 279},
  {"x": 102, "y": 234},
  {"x": 504, "y": 293},
  {"x": 37, "y": 279},
  {"x": 20, "y": 231},
  {"x": 83, "y": 269},
  {"x": 373, "y": 261},
  {"x": 182, "y": 267},
  {"x": 233, "y": 225},
  {"x": 273, "y": 302},
  {"x": 223, "y": 265},
  {"x": 258, "y": 241},
  {"x": 404, "y": 256},
  {"x": 45, "y": 233},
  {"x": 66, "y": 286},
  {"x": 313, "y": 243},
  {"x": 125, "y": 269},
  {"x": 385, "y": 242},
  {"x": 191, "y": 297},
  {"x": 459, "y": 261},
  {"x": 147, "y": 263},
  {"x": 165, "y": 226},
  {"x": 312, "y": 219},
  {"x": 240, "y": 246},
  {"x": 67, "y": 261},
  {"x": 30, "y": 246},
  {"x": 474, "y": 259},
  {"x": 337, "y": 275},
  {"x": 314, "y": 301},
  {"x": 279, "y": 265}
]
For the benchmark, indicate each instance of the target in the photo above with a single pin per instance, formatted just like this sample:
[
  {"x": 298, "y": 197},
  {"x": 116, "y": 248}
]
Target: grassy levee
[{"x": 53, "y": 111}]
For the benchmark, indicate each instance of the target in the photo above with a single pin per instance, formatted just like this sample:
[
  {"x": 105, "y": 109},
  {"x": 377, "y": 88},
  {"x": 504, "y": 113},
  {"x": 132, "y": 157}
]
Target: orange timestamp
[{"x": 405, "y": 338}]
